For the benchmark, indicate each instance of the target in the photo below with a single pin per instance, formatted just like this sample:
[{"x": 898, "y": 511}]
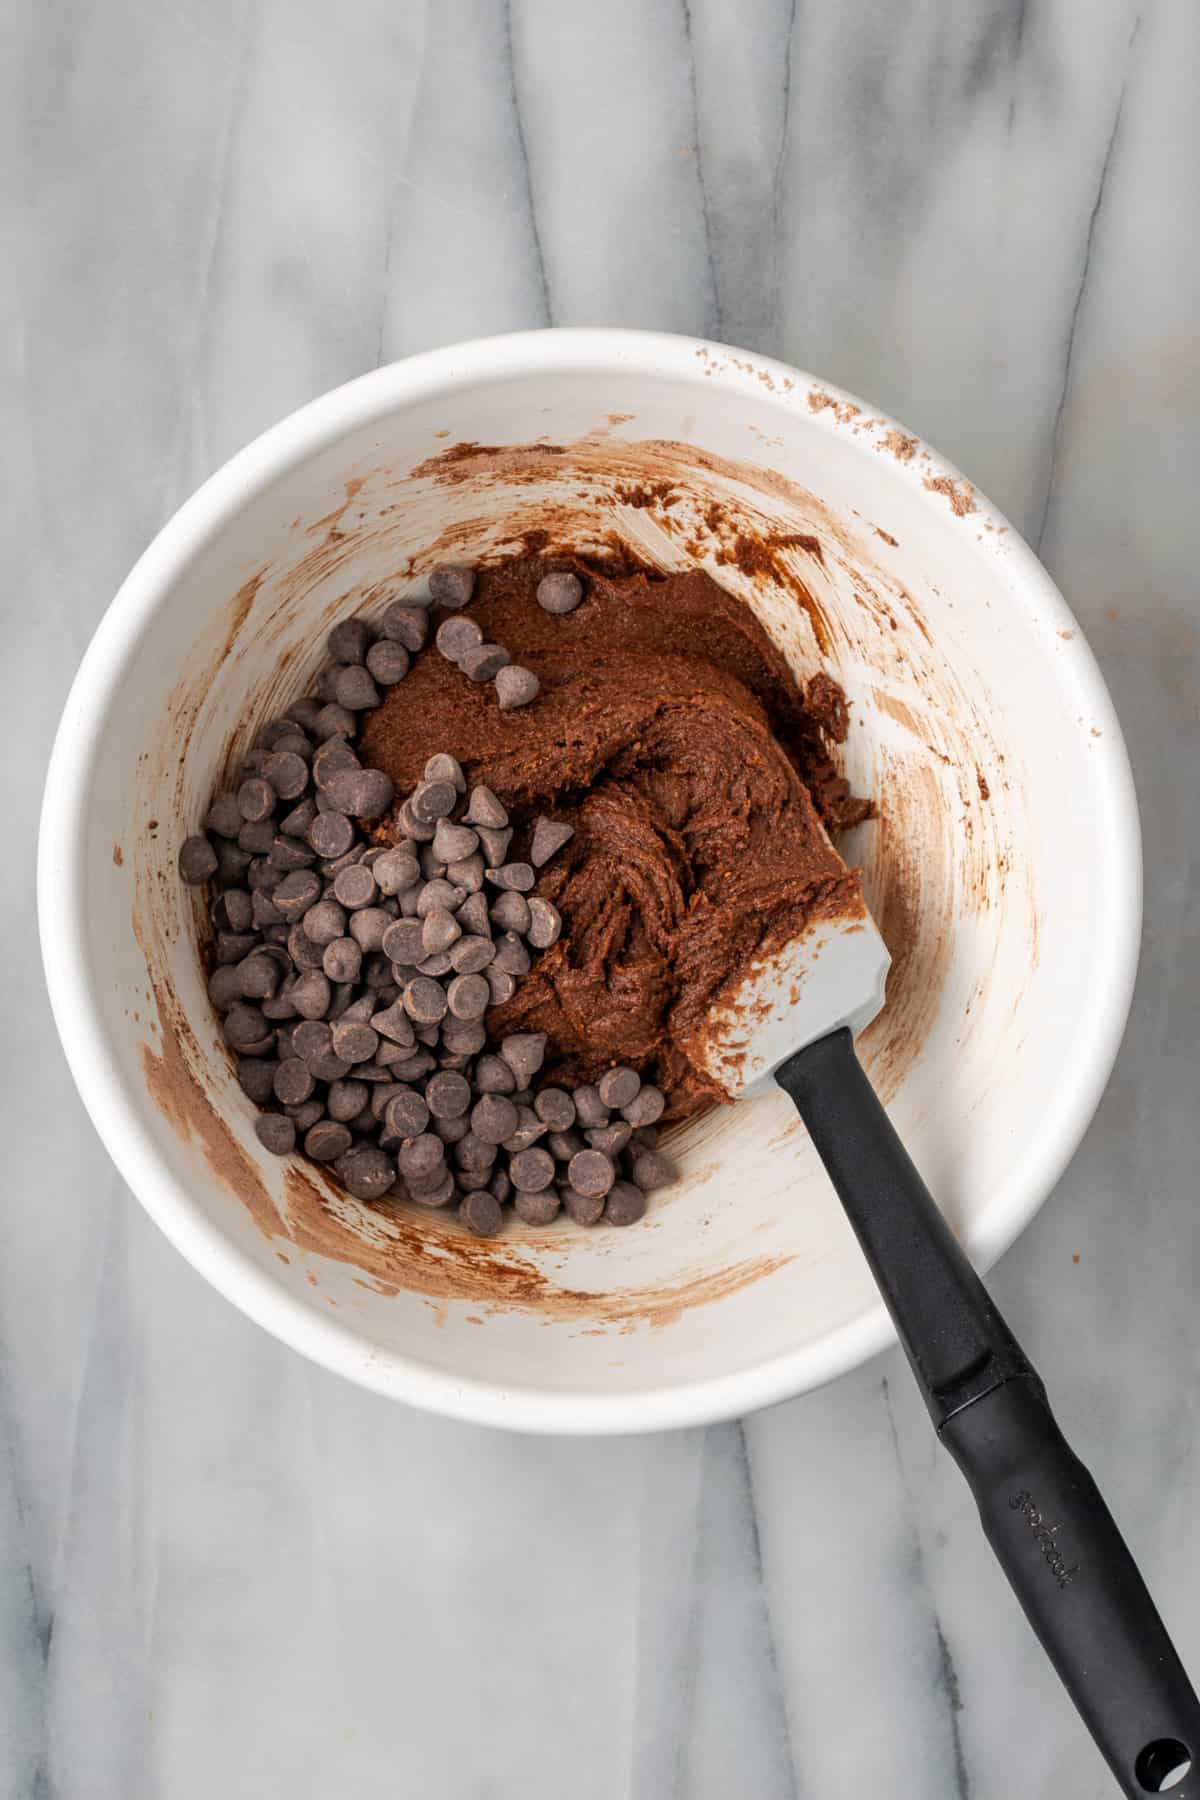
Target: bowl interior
[{"x": 1000, "y": 866}]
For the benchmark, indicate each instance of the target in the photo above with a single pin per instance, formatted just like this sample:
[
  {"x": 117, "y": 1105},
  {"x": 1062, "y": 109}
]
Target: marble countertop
[{"x": 225, "y": 1572}]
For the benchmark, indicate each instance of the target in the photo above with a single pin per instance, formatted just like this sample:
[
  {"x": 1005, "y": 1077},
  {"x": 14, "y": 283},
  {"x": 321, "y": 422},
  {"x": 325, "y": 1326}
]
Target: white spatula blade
[{"x": 833, "y": 975}]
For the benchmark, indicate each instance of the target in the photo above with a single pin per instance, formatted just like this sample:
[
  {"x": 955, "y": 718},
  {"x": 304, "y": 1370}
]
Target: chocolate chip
[
  {"x": 468, "y": 996},
  {"x": 463, "y": 1037},
  {"x": 348, "y": 640},
  {"x": 304, "y": 712},
  {"x": 541, "y": 1208},
  {"x": 516, "y": 686},
  {"x": 485, "y": 662},
  {"x": 438, "y": 896},
  {"x": 560, "y": 592},
  {"x": 396, "y": 871},
  {"x": 466, "y": 873},
  {"x": 346, "y": 1099},
  {"x": 448, "y": 1095},
  {"x": 334, "y": 757},
  {"x": 485, "y": 809},
  {"x": 591, "y": 1172},
  {"x": 354, "y": 689},
  {"x": 257, "y": 836},
  {"x": 256, "y": 802},
  {"x": 406, "y": 1114},
  {"x": 298, "y": 822},
  {"x": 451, "y": 1131},
  {"x": 224, "y": 816},
  {"x": 563, "y": 1145},
  {"x": 324, "y": 922},
  {"x": 224, "y": 986},
  {"x": 259, "y": 977},
  {"x": 425, "y": 1000},
  {"x": 452, "y": 585},
  {"x": 333, "y": 721},
  {"x": 232, "y": 862},
  {"x": 275, "y": 1133},
  {"x": 650, "y": 1170},
  {"x": 511, "y": 955},
  {"x": 444, "y": 767},
  {"x": 405, "y": 623},
  {"x": 451, "y": 843},
  {"x": 402, "y": 941},
  {"x": 531, "y": 1170},
  {"x": 421, "y": 1157},
  {"x": 294, "y": 1081},
  {"x": 439, "y": 929},
  {"x": 387, "y": 662},
  {"x": 481, "y": 1213},
  {"x": 197, "y": 860},
  {"x": 326, "y": 1141},
  {"x": 617, "y": 1087},
  {"x": 493, "y": 1118},
  {"x": 331, "y": 834},
  {"x": 524, "y": 1052},
  {"x": 355, "y": 887},
  {"x": 369, "y": 927},
  {"x": 625, "y": 1205},
  {"x": 471, "y": 955},
  {"x": 366, "y": 1172},
  {"x": 612, "y": 1139},
  {"x": 500, "y": 1186},
  {"x": 286, "y": 773},
  {"x": 545, "y": 923},
  {"x": 365, "y": 793},
  {"x": 472, "y": 1152},
  {"x": 418, "y": 830},
  {"x": 511, "y": 912},
  {"x": 646, "y": 1107},
  {"x": 549, "y": 836},
  {"x": 495, "y": 842},
  {"x": 287, "y": 853},
  {"x": 555, "y": 1107},
  {"x": 305, "y": 1116},
  {"x": 439, "y": 1193},
  {"x": 296, "y": 893},
  {"x": 433, "y": 800},
  {"x": 283, "y": 734},
  {"x": 472, "y": 915},
  {"x": 245, "y": 1026},
  {"x": 502, "y": 984},
  {"x": 394, "y": 1024},
  {"x": 645, "y": 1137},
  {"x": 311, "y": 994},
  {"x": 353, "y": 1041},
  {"x": 312, "y": 1038},
  {"x": 458, "y": 637},
  {"x": 231, "y": 946},
  {"x": 517, "y": 876},
  {"x": 584, "y": 1209},
  {"x": 256, "y": 1078}
]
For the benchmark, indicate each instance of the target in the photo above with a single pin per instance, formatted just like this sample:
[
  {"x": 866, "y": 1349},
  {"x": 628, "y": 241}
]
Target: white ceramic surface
[{"x": 1007, "y": 855}]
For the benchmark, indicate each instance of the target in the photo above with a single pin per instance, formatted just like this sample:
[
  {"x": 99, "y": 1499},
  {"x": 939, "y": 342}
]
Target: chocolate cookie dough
[{"x": 671, "y": 734}]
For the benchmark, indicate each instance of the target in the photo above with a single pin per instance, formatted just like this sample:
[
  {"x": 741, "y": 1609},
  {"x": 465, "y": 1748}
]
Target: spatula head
[{"x": 832, "y": 975}]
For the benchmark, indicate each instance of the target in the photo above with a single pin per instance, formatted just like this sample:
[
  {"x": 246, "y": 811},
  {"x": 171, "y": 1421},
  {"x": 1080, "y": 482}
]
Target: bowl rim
[{"x": 62, "y": 893}]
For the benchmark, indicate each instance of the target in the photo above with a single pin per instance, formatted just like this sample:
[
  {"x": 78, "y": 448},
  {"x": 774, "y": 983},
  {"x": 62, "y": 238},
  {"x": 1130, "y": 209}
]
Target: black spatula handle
[{"x": 1043, "y": 1514}]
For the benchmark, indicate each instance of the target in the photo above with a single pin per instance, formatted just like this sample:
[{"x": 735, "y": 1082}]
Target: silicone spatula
[{"x": 792, "y": 1021}]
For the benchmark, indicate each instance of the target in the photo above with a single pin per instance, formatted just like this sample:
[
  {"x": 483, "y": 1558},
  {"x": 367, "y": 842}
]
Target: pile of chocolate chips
[{"x": 354, "y": 978}]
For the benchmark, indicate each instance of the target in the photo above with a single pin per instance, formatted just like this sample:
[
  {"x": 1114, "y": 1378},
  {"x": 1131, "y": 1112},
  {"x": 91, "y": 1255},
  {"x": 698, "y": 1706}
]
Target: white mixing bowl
[{"x": 1004, "y": 867}]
